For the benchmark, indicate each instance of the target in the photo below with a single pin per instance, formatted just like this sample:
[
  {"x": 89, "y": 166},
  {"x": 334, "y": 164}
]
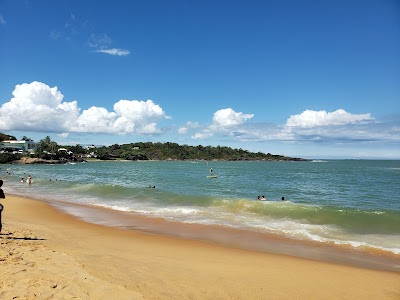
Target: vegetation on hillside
[
  {"x": 6, "y": 137},
  {"x": 48, "y": 149},
  {"x": 174, "y": 151}
]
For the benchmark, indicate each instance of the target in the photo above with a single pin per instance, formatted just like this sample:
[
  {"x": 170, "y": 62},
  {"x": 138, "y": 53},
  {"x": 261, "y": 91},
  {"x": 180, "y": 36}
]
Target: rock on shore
[{"x": 29, "y": 160}]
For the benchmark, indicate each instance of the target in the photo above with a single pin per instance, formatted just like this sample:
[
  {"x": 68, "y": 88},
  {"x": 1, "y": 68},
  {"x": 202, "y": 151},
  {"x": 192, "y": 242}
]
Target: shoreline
[
  {"x": 233, "y": 237},
  {"x": 135, "y": 264},
  {"x": 239, "y": 238}
]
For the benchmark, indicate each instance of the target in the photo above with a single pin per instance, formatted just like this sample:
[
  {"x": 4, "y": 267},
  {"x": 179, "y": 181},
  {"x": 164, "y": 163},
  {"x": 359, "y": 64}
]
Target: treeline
[
  {"x": 174, "y": 151},
  {"x": 50, "y": 150}
]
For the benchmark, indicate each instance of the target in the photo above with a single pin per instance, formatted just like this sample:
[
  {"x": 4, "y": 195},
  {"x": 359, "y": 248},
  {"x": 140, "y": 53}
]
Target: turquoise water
[{"x": 355, "y": 203}]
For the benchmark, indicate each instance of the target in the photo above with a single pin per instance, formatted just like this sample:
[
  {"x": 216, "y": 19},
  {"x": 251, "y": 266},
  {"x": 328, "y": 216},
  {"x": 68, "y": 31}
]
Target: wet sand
[{"x": 47, "y": 254}]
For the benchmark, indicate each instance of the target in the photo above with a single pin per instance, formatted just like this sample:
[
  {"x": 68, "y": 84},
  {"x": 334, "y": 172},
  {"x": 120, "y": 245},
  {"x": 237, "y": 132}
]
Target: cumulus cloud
[
  {"x": 38, "y": 107},
  {"x": 312, "y": 118},
  {"x": 321, "y": 127},
  {"x": 228, "y": 117},
  {"x": 307, "y": 127},
  {"x": 338, "y": 126},
  {"x": 224, "y": 120}
]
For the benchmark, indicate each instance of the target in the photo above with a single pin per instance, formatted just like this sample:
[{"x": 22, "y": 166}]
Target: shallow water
[{"x": 350, "y": 203}]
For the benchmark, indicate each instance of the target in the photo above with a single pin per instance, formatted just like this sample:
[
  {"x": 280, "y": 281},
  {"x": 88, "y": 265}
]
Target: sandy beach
[{"x": 47, "y": 254}]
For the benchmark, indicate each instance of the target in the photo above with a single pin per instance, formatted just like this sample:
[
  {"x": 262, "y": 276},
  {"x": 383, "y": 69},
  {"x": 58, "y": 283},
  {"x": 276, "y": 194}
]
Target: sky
[{"x": 310, "y": 79}]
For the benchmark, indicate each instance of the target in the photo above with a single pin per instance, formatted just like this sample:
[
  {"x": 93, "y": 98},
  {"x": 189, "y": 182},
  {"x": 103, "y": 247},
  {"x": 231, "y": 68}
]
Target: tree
[
  {"x": 8, "y": 157},
  {"x": 24, "y": 138},
  {"x": 78, "y": 149},
  {"x": 47, "y": 145}
]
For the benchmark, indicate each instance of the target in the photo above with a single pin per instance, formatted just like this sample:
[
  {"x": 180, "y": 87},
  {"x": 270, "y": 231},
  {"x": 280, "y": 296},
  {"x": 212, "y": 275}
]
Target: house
[{"x": 65, "y": 151}]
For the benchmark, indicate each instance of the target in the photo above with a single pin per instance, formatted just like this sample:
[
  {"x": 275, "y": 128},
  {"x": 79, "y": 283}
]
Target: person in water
[
  {"x": 29, "y": 180},
  {"x": 262, "y": 198},
  {"x": 211, "y": 171},
  {"x": 283, "y": 199},
  {"x": 2, "y": 196}
]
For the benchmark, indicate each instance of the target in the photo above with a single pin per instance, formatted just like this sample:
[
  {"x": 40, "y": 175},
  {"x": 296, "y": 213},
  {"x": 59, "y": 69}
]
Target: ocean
[{"x": 345, "y": 211}]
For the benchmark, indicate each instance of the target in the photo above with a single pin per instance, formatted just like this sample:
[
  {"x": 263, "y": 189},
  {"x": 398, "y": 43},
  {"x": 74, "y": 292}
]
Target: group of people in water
[
  {"x": 28, "y": 180},
  {"x": 262, "y": 198}
]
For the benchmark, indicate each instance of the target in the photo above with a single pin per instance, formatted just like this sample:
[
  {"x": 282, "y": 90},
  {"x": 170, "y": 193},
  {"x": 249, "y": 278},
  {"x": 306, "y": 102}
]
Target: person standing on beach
[{"x": 2, "y": 196}]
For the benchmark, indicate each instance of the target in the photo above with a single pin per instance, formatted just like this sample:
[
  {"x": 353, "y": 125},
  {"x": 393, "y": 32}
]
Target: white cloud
[
  {"x": 38, "y": 107},
  {"x": 63, "y": 135},
  {"x": 339, "y": 127},
  {"x": 102, "y": 42},
  {"x": 115, "y": 51},
  {"x": 95, "y": 119},
  {"x": 140, "y": 113},
  {"x": 224, "y": 121},
  {"x": 228, "y": 117},
  {"x": 312, "y": 118}
]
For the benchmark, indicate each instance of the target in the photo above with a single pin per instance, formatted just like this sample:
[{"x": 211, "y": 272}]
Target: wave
[
  {"x": 353, "y": 220},
  {"x": 164, "y": 203},
  {"x": 195, "y": 201}
]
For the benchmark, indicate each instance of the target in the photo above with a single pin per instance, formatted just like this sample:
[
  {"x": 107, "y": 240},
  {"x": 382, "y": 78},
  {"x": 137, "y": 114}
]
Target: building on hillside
[
  {"x": 65, "y": 151},
  {"x": 15, "y": 145}
]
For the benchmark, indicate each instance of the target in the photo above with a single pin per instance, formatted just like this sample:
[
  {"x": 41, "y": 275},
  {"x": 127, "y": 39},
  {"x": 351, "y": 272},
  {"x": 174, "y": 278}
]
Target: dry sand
[{"x": 46, "y": 254}]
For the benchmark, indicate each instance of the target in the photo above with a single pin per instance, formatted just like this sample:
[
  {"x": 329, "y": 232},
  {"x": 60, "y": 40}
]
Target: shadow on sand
[{"x": 9, "y": 237}]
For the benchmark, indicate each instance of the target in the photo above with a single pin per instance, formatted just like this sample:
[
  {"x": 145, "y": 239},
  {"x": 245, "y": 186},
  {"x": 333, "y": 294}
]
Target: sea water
[{"x": 348, "y": 203}]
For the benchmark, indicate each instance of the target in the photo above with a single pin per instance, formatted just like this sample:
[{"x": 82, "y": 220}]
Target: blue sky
[{"x": 314, "y": 79}]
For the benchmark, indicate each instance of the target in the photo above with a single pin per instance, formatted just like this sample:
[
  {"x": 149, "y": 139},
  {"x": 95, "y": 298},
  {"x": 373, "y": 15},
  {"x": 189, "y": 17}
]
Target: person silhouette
[{"x": 2, "y": 196}]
